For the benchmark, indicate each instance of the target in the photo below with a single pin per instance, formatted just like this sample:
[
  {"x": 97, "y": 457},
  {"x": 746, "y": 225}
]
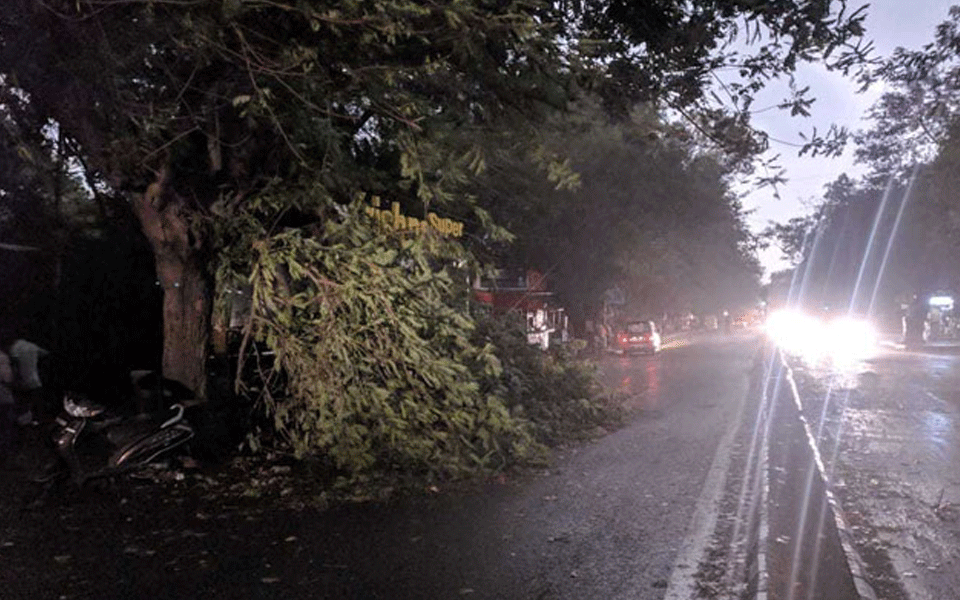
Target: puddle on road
[{"x": 640, "y": 383}]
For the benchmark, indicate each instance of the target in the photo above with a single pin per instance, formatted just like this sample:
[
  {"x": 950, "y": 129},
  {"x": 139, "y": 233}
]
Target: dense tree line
[
  {"x": 873, "y": 244},
  {"x": 245, "y": 138},
  {"x": 649, "y": 212}
]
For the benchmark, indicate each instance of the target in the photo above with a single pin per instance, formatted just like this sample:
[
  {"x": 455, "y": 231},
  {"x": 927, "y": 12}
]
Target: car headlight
[
  {"x": 795, "y": 331},
  {"x": 840, "y": 339}
]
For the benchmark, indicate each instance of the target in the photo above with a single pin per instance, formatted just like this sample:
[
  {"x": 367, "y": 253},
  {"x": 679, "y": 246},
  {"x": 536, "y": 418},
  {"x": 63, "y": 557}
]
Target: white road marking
[
  {"x": 682, "y": 584},
  {"x": 937, "y": 398}
]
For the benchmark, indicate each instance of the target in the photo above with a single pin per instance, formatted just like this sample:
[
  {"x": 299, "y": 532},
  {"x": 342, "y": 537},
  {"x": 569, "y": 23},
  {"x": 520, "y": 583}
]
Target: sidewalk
[
  {"x": 934, "y": 347},
  {"x": 893, "y": 339}
]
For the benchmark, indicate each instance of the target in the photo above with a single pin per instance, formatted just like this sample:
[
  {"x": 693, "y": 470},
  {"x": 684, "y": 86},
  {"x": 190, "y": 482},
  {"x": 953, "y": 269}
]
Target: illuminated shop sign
[
  {"x": 393, "y": 219},
  {"x": 942, "y": 302}
]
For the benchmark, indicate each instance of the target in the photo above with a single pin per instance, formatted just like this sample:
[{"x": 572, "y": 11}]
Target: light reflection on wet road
[
  {"x": 640, "y": 381},
  {"x": 896, "y": 468}
]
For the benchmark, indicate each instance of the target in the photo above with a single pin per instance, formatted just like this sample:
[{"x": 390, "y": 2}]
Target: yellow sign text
[{"x": 393, "y": 219}]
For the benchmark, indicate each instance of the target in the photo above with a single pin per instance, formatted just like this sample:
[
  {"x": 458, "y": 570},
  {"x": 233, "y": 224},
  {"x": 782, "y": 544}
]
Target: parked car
[{"x": 638, "y": 336}]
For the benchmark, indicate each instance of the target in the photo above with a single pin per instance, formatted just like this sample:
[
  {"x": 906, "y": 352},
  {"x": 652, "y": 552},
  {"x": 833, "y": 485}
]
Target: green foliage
[
  {"x": 648, "y": 211},
  {"x": 867, "y": 251},
  {"x": 913, "y": 143},
  {"x": 918, "y": 109},
  {"x": 556, "y": 392},
  {"x": 375, "y": 354},
  {"x": 261, "y": 122},
  {"x": 672, "y": 53},
  {"x": 38, "y": 184},
  {"x": 383, "y": 370}
]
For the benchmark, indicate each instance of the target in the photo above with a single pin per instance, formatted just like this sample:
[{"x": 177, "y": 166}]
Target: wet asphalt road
[
  {"x": 889, "y": 431},
  {"x": 628, "y": 515},
  {"x": 607, "y": 520}
]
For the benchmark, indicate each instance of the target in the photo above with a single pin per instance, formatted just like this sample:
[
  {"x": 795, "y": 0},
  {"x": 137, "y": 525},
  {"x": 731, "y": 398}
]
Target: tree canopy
[
  {"x": 653, "y": 215},
  {"x": 896, "y": 232},
  {"x": 247, "y": 136}
]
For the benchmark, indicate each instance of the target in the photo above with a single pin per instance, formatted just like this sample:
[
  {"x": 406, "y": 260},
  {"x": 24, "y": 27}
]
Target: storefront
[{"x": 526, "y": 294}]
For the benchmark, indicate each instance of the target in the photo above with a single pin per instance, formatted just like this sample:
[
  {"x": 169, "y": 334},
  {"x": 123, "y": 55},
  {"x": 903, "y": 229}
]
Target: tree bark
[{"x": 187, "y": 299}]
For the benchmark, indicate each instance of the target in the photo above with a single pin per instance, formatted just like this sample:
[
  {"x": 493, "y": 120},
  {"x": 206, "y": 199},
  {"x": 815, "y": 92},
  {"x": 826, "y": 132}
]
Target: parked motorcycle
[{"x": 91, "y": 442}]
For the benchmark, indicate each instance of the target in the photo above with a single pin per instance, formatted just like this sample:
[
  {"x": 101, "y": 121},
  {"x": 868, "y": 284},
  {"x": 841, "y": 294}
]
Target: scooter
[{"x": 111, "y": 444}]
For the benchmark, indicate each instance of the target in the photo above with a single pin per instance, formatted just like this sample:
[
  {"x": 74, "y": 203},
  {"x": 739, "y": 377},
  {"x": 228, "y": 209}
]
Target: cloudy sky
[{"x": 890, "y": 24}]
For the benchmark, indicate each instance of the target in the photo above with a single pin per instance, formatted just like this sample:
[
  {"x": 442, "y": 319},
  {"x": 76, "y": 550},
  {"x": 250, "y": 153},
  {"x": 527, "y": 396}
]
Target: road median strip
[{"x": 854, "y": 562}]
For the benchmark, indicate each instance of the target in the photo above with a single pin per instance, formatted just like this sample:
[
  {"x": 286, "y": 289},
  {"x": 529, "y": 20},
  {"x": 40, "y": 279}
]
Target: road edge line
[
  {"x": 763, "y": 529},
  {"x": 757, "y": 574},
  {"x": 703, "y": 521}
]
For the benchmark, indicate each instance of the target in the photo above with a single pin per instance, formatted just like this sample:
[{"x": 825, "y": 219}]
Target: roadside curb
[
  {"x": 855, "y": 563},
  {"x": 937, "y": 347}
]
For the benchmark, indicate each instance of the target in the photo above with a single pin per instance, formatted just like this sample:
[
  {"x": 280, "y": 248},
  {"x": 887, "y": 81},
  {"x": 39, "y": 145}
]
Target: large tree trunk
[{"x": 186, "y": 288}]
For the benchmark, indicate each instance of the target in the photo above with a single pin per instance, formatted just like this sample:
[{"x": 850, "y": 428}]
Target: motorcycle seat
[{"x": 128, "y": 431}]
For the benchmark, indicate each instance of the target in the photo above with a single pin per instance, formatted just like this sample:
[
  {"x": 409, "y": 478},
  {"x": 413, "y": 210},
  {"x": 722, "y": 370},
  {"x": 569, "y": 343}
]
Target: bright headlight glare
[
  {"x": 851, "y": 338},
  {"x": 841, "y": 339},
  {"x": 795, "y": 331}
]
